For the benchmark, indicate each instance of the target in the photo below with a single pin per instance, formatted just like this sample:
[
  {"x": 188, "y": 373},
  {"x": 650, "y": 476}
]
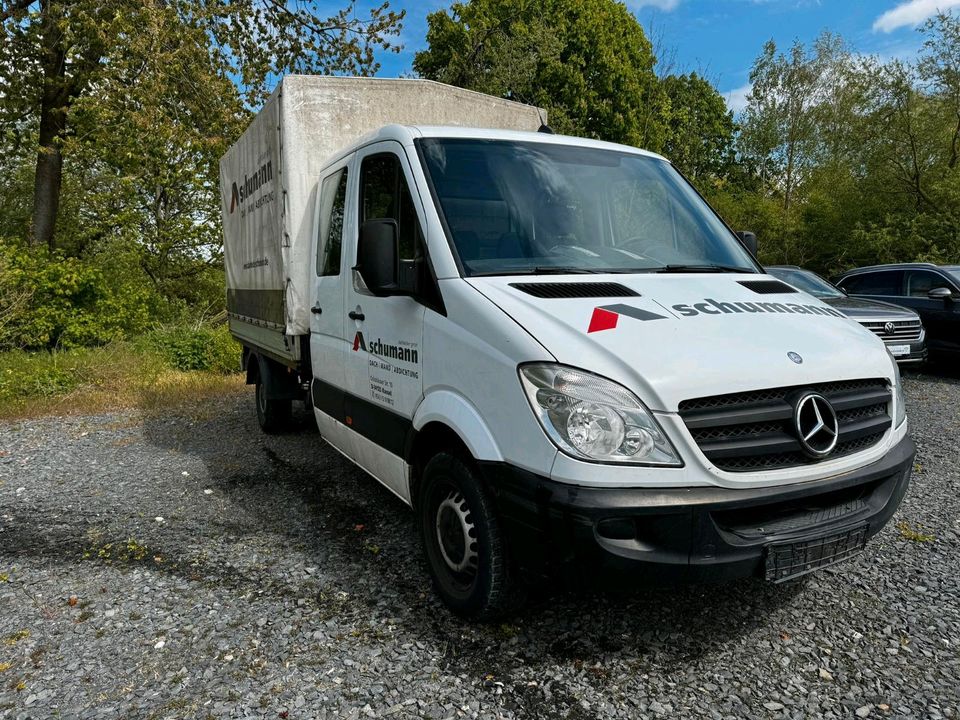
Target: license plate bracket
[{"x": 786, "y": 561}]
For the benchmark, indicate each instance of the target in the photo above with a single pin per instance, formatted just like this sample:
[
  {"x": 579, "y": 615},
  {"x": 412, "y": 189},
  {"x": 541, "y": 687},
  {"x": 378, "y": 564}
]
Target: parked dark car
[
  {"x": 933, "y": 291},
  {"x": 898, "y": 327}
]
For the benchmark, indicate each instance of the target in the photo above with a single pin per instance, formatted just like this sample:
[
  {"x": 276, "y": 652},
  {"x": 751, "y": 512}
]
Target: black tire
[
  {"x": 273, "y": 415},
  {"x": 463, "y": 543}
]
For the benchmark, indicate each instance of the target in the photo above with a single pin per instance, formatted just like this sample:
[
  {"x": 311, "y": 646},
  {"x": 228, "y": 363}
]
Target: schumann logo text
[{"x": 251, "y": 183}]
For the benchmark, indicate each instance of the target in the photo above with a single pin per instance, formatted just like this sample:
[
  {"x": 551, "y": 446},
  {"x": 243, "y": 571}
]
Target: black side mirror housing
[
  {"x": 378, "y": 253},
  {"x": 378, "y": 259},
  {"x": 749, "y": 239},
  {"x": 940, "y": 293}
]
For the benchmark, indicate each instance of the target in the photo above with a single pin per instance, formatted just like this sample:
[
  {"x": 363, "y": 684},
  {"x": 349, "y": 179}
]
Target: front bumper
[
  {"x": 622, "y": 536},
  {"x": 917, "y": 354}
]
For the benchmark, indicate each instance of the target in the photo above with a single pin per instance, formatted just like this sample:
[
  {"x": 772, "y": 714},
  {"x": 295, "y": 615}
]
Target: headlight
[
  {"x": 590, "y": 417},
  {"x": 900, "y": 401}
]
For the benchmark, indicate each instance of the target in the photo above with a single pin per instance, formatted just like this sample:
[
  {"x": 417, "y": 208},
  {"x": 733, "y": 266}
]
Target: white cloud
[
  {"x": 665, "y": 5},
  {"x": 737, "y": 98},
  {"x": 911, "y": 13}
]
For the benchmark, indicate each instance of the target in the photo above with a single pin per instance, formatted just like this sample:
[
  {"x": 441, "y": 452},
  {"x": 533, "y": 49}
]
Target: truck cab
[{"x": 563, "y": 360}]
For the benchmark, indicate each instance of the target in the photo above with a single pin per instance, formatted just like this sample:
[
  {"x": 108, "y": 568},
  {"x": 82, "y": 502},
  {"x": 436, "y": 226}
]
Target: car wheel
[
  {"x": 462, "y": 541},
  {"x": 272, "y": 415}
]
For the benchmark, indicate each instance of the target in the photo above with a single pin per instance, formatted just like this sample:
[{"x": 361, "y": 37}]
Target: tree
[
  {"x": 779, "y": 133},
  {"x": 939, "y": 68},
  {"x": 55, "y": 52},
  {"x": 587, "y": 62},
  {"x": 700, "y": 137}
]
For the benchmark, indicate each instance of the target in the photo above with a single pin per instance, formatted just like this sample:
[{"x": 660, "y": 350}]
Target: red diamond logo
[{"x": 602, "y": 320}]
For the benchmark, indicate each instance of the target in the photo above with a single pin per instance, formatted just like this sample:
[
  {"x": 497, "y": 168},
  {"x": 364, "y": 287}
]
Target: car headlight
[
  {"x": 590, "y": 417},
  {"x": 900, "y": 401}
]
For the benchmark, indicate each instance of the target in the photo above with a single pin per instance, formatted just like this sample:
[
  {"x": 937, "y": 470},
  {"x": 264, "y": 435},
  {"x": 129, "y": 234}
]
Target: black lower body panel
[{"x": 630, "y": 536}]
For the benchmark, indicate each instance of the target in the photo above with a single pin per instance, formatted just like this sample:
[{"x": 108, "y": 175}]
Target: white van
[{"x": 553, "y": 350}]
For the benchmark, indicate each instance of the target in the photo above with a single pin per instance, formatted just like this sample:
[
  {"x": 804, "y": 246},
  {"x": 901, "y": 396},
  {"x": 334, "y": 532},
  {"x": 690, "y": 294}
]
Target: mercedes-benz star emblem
[
  {"x": 816, "y": 424},
  {"x": 795, "y": 357},
  {"x": 889, "y": 328}
]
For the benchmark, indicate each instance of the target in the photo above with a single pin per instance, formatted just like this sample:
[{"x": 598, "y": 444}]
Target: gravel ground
[{"x": 189, "y": 567}]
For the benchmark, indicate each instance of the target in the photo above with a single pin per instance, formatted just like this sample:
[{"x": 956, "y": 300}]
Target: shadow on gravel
[{"x": 294, "y": 486}]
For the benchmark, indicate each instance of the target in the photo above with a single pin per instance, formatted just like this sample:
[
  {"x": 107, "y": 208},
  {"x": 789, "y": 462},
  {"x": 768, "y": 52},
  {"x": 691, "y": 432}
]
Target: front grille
[
  {"x": 751, "y": 431},
  {"x": 905, "y": 331}
]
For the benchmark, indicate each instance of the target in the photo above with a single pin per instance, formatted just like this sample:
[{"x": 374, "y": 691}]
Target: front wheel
[{"x": 462, "y": 541}]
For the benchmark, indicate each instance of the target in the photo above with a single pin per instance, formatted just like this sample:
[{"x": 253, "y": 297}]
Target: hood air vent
[
  {"x": 767, "y": 287},
  {"x": 575, "y": 290}
]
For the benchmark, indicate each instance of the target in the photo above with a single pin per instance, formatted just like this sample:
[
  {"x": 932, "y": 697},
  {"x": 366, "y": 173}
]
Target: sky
[{"x": 721, "y": 38}]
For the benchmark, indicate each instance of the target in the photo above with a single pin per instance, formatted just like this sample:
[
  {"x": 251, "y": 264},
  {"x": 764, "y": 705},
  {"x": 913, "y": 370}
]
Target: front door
[{"x": 384, "y": 365}]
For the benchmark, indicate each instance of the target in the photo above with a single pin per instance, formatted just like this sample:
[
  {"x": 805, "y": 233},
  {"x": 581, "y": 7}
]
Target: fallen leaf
[
  {"x": 358, "y": 528},
  {"x": 784, "y": 635},
  {"x": 72, "y": 601}
]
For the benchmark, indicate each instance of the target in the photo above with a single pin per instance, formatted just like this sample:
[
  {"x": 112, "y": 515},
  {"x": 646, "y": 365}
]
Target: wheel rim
[
  {"x": 457, "y": 537},
  {"x": 261, "y": 397}
]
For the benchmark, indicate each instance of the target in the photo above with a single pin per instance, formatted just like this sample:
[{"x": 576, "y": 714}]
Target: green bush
[
  {"x": 196, "y": 348},
  {"x": 28, "y": 375},
  {"x": 50, "y": 301}
]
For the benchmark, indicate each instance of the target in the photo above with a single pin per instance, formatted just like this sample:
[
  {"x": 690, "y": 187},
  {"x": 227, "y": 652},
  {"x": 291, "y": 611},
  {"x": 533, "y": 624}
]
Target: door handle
[
  {"x": 316, "y": 310},
  {"x": 354, "y": 315}
]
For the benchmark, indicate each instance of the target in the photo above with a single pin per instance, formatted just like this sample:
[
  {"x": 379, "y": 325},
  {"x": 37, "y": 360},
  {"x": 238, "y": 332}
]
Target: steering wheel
[{"x": 641, "y": 244}]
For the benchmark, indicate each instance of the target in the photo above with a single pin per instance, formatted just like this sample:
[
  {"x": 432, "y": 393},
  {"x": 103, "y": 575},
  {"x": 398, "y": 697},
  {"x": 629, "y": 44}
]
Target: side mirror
[
  {"x": 749, "y": 240},
  {"x": 940, "y": 293},
  {"x": 378, "y": 251}
]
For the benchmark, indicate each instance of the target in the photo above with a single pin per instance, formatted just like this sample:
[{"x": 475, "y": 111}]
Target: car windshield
[
  {"x": 954, "y": 271},
  {"x": 807, "y": 281},
  {"x": 515, "y": 207}
]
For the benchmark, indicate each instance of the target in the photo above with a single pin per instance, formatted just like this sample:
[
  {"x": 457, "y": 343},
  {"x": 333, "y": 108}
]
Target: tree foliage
[
  {"x": 114, "y": 114},
  {"x": 854, "y": 158},
  {"x": 180, "y": 57},
  {"x": 587, "y": 62}
]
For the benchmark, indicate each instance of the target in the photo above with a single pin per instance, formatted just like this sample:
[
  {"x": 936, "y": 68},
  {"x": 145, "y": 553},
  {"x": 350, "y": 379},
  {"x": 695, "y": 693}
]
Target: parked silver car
[{"x": 899, "y": 327}]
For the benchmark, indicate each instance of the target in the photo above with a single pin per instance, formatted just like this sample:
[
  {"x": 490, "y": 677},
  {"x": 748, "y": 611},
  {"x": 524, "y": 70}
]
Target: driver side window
[
  {"x": 384, "y": 194},
  {"x": 921, "y": 282}
]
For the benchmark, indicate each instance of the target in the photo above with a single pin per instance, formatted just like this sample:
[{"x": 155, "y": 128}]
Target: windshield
[
  {"x": 527, "y": 208},
  {"x": 807, "y": 281}
]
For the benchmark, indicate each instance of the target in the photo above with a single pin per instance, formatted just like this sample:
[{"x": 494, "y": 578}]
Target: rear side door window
[
  {"x": 333, "y": 196},
  {"x": 885, "y": 283}
]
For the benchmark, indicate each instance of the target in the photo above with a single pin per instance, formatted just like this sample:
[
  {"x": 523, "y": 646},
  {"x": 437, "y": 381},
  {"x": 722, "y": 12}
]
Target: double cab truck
[{"x": 550, "y": 347}]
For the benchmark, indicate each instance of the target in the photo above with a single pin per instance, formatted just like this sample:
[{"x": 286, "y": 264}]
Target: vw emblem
[
  {"x": 889, "y": 328},
  {"x": 795, "y": 357},
  {"x": 816, "y": 424}
]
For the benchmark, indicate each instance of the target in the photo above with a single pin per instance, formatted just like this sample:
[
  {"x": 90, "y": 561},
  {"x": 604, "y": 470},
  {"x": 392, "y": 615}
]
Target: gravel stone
[{"x": 284, "y": 582}]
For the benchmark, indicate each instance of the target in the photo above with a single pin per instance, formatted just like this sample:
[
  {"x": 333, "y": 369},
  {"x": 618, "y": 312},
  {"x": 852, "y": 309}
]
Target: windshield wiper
[{"x": 703, "y": 269}]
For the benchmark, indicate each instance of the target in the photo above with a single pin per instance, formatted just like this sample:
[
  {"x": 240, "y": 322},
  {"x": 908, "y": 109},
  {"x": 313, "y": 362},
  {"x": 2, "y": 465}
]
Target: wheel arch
[{"x": 445, "y": 420}]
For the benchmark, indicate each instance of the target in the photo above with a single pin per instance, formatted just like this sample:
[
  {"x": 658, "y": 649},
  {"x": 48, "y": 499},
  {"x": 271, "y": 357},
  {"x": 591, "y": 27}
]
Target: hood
[
  {"x": 671, "y": 337},
  {"x": 870, "y": 309}
]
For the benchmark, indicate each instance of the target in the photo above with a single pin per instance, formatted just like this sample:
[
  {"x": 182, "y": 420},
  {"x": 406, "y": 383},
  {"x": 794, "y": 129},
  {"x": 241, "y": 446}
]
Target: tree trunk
[
  {"x": 53, "y": 124},
  {"x": 49, "y": 172}
]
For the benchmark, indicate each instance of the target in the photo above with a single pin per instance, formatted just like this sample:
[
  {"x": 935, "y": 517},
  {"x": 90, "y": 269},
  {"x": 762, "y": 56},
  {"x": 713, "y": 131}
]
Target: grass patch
[
  {"x": 913, "y": 534},
  {"x": 168, "y": 367}
]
